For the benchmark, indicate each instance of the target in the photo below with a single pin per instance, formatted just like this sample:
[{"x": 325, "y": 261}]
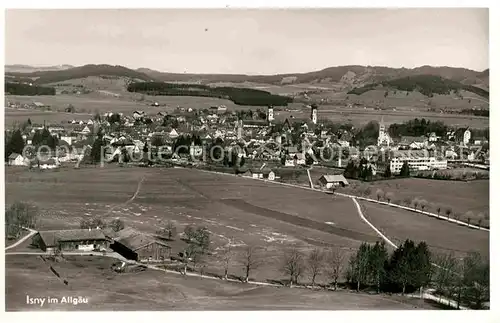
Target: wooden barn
[
  {"x": 138, "y": 246},
  {"x": 329, "y": 181}
]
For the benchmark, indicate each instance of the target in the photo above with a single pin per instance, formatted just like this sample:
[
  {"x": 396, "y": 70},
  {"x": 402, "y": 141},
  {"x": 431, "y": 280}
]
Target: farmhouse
[
  {"x": 138, "y": 246},
  {"x": 16, "y": 160},
  {"x": 329, "y": 181},
  {"x": 70, "y": 240}
]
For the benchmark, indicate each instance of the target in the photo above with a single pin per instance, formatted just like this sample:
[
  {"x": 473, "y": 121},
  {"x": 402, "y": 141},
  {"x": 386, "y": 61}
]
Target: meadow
[
  {"x": 156, "y": 290},
  {"x": 458, "y": 196}
]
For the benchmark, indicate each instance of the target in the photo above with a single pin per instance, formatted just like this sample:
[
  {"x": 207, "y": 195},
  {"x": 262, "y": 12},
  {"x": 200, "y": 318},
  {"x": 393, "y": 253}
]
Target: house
[
  {"x": 480, "y": 141},
  {"x": 55, "y": 129},
  {"x": 17, "y": 160},
  {"x": 48, "y": 164},
  {"x": 300, "y": 159},
  {"x": 268, "y": 174},
  {"x": 173, "y": 134},
  {"x": 433, "y": 137},
  {"x": 138, "y": 115},
  {"x": 85, "y": 130},
  {"x": 413, "y": 142},
  {"x": 138, "y": 246},
  {"x": 68, "y": 139},
  {"x": 329, "y": 181},
  {"x": 70, "y": 240}
]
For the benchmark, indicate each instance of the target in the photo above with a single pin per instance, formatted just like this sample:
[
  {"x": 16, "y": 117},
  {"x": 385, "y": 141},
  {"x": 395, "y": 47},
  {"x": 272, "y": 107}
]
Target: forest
[{"x": 240, "y": 96}]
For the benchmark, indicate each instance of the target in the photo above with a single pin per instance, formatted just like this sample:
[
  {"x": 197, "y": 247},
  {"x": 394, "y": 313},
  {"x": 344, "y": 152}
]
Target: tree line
[
  {"x": 26, "y": 89},
  {"x": 409, "y": 268},
  {"x": 240, "y": 96}
]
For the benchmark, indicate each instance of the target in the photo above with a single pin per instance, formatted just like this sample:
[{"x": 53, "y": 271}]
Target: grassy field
[
  {"x": 460, "y": 197},
  {"x": 398, "y": 225},
  {"x": 242, "y": 211},
  {"x": 155, "y": 290},
  {"x": 129, "y": 102}
]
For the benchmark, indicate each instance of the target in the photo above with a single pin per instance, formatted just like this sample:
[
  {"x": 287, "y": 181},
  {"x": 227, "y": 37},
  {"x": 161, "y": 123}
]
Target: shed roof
[
  {"x": 50, "y": 238},
  {"x": 135, "y": 240},
  {"x": 335, "y": 178}
]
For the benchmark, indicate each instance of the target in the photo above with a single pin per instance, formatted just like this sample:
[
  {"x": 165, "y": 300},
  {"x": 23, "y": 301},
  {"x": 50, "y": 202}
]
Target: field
[
  {"x": 399, "y": 224},
  {"x": 237, "y": 211},
  {"x": 459, "y": 196},
  {"x": 101, "y": 101},
  {"x": 155, "y": 290}
]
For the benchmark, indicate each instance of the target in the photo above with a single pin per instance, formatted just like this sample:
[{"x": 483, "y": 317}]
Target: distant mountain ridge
[
  {"x": 20, "y": 68},
  {"x": 346, "y": 77},
  {"x": 44, "y": 77}
]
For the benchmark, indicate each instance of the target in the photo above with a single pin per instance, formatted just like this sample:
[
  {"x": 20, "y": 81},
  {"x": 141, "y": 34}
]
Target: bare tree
[
  {"x": 423, "y": 204},
  {"x": 415, "y": 202},
  {"x": 250, "y": 261},
  {"x": 407, "y": 201},
  {"x": 226, "y": 258},
  {"x": 335, "y": 265},
  {"x": 448, "y": 212},
  {"x": 446, "y": 266},
  {"x": 293, "y": 264},
  {"x": 469, "y": 215},
  {"x": 389, "y": 196},
  {"x": 379, "y": 194},
  {"x": 117, "y": 225},
  {"x": 315, "y": 264},
  {"x": 438, "y": 210}
]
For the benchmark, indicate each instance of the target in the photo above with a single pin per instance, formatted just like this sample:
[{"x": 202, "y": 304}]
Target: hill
[
  {"x": 44, "y": 77},
  {"x": 20, "y": 68},
  {"x": 425, "y": 84},
  {"x": 346, "y": 76}
]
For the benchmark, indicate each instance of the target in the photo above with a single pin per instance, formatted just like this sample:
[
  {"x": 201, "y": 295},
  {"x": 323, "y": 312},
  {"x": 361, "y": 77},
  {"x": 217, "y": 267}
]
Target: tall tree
[
  {"x": 334, "y": 265},
  {"x": 14, "y": 144},
  {"x": 378, "y": 257},
  {"x": 405, "y": 170},
  {"x": 315, "y": 264},
  {"x": 293, "y": 264},
  {"x": 250, "y": 261}
]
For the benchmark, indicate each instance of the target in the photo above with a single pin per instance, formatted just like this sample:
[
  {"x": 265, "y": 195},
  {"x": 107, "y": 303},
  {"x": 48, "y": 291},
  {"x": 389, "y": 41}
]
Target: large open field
[
  {"x": 88, "y": 104},
  {"x": 459, "y": 196},
  {"x": 398, "y": 225},
  {"x": 155, "y": 290},
  {"x": 243, "y": 211},
  {"x": 236, "y": 211}
]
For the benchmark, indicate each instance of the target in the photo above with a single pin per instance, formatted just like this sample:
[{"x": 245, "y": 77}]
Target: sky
[{"x": 248, "y": 41}]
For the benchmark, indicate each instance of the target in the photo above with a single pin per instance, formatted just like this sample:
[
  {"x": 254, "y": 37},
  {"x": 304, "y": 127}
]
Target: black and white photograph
[{"x": 247, "y": 159}]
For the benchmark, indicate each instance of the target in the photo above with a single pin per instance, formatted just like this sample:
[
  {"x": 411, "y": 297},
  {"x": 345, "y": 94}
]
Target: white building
[
  {"x": 417, "y": 160},
  {"x": 314, "y": 113},
  {"x": 467, "y": 136},
  {"x": 383, "y": 136},
  {"x": 270, "y": 113},
  {"x": 16, "y": 160}
]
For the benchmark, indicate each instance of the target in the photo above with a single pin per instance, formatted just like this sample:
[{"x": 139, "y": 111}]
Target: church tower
[
  {"x": 314, "y": 113},
  {"x": 270, "y": 113}
]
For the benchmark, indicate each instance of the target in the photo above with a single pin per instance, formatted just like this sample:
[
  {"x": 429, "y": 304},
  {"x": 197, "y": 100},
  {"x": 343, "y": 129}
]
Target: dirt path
[
  {"x": 32, "y": 232},
  {"x": 130, "y": 199}
]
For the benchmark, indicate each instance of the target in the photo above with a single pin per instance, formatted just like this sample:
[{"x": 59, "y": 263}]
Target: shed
[{"x": 328, "y": 181}]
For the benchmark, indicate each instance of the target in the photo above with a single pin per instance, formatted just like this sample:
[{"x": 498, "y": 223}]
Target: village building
[
  {"x": 16, "y": 159},
  {"x": 329, "y": 181},
  {"x": 70, "y": 240},
  {"x": 417, "y": 160}
]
